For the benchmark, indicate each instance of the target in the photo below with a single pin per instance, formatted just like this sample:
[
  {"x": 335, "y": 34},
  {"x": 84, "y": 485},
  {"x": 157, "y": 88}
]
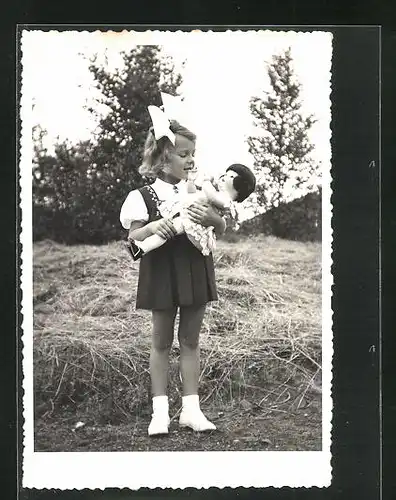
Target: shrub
[{"x": 298, "y": 220}]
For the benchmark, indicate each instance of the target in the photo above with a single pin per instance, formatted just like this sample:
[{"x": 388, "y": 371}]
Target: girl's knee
[
  {"x": 190, "y": 325},
  {"x": 163, "y": 325},
  {"x": 189, "y": 341},
  {"x": 162, "y": 342}
]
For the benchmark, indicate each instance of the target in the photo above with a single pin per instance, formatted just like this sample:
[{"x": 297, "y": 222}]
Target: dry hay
[{"x": 262, "y": 339}]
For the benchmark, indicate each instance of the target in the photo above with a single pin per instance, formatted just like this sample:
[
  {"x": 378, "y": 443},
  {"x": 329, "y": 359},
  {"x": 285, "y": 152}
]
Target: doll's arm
[
  {"x": 155, "y": 241},
  {"x": 220, "y": 200},
  {"x": 178, "y": 225},
  {"x": 151, "y": 243}
]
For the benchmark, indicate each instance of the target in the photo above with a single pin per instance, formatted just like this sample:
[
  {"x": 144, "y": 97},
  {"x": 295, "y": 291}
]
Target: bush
[
  {"x": 73, "y": 227},
  {"x": 300, "y": 219}
]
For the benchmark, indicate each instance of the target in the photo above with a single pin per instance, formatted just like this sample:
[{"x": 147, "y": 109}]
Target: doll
[{"x": 234, "y": 186}]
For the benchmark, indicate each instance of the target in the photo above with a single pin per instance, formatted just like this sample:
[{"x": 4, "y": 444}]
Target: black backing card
[{"x": 356, "y": 202}]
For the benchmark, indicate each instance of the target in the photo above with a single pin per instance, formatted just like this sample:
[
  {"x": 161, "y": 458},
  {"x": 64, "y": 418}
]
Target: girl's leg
[
  {"x": 162, "y": 337},
  {"x": 189, "y": 327}
]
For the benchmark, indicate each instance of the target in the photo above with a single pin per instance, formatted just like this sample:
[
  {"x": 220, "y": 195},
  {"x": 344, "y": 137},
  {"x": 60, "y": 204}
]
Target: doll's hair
[
  {"x": 156, "y": 153},
  {"x": 244, "y": 182}
]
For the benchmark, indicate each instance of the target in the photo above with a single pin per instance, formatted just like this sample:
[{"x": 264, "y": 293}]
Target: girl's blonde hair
[{"x": 156, "y": 153}]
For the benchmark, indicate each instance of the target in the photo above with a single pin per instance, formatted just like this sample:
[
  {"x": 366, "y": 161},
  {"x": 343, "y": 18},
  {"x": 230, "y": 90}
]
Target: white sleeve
[{"x": 133, "y": 209}]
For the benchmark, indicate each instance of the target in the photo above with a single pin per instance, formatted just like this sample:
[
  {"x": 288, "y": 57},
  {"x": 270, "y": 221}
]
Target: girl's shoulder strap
[{"x": 151, "y": 200}]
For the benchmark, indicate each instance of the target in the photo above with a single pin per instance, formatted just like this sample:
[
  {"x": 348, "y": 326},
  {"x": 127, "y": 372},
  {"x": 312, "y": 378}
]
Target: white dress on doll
[{"x": 202, "y": 237}]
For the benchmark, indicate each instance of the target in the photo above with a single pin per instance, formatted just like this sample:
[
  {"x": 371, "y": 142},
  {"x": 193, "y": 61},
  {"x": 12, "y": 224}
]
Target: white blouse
[{"x": 134, "y": 208}]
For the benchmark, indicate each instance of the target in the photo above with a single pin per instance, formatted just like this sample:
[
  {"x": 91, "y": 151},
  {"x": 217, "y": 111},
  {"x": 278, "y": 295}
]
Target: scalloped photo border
[{"x": 134, "y": 470}]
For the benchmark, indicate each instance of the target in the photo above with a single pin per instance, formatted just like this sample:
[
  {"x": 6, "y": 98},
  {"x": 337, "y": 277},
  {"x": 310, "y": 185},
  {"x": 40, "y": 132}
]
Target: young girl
[{"x": 177, "y": 276}]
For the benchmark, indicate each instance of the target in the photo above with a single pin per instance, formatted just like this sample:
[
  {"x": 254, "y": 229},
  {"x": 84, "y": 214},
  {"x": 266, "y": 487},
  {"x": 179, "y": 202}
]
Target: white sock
[
  {"x": 160, "y": 418},
  {"x": 191, "y": 402},
  {"x": 161, "y": 405},
  {"x": 192, "y": 416}
]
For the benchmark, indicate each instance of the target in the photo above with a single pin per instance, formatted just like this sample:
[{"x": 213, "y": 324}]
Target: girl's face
[{"x": 181, "y": 159}]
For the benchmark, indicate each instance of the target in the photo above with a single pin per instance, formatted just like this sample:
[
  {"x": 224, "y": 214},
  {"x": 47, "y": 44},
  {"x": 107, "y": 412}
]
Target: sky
[{"x": 222, "y": 72}]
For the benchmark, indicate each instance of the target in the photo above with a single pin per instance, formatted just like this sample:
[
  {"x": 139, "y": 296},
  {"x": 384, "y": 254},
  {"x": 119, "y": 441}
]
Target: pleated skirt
[{"x": 176, "y": 274}]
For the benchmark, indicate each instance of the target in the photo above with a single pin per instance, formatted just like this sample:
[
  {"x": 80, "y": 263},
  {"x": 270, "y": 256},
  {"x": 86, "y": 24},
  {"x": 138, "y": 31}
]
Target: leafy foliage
[
  {"x": 127, "y": 93},
  {"x": 65, "y": 195},
  {"x": 79, "y": 190},
  {"x": 300, "y": 219}
]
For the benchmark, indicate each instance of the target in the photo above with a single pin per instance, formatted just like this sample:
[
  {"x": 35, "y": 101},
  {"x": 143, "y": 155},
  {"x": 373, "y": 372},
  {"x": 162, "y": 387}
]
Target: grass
[{"x": 260, "y": 343}]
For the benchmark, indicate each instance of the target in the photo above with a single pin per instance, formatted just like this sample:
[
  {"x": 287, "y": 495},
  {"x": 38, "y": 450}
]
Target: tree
[
  {"x": 126, "y": 93},
  {"x": 43, "y": 164},
  {"x": 78, "y": 191},
  {"x": 281, "y": 149},
  {"x": 64, "y": 203}
]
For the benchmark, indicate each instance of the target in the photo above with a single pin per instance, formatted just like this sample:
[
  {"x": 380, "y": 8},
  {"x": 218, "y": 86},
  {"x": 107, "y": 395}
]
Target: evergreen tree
[{"x": 281, "y": 147}]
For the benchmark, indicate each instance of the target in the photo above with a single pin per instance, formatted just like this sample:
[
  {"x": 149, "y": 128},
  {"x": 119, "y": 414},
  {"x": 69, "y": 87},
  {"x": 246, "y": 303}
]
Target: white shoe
[
  {"x": 195, "y": 420},
  {"x": 159, "y": 425}
]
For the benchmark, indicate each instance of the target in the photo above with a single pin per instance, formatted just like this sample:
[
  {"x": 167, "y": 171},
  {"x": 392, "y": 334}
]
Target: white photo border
[{"x": 133, "y": 469}]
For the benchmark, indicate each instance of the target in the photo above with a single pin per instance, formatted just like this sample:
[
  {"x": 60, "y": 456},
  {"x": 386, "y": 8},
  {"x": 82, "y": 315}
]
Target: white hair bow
[
  {"x": 161, "y": 119},
  {"x": 173, "y": 107},
  {"x": 161, "y": 124}
]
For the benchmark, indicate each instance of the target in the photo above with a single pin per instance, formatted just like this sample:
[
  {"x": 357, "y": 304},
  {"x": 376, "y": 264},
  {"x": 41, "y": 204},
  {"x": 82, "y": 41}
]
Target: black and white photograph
[{"x": 176, "y": 258}]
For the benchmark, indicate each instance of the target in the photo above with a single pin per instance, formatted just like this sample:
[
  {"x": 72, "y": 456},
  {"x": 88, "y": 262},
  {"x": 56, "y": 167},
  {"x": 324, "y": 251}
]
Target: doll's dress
[
  {"x": 202, "y": 237},
  {"x": 169, "y": 208}
]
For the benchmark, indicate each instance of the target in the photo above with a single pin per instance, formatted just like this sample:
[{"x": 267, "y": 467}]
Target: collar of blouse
[{"x": 164, "y": 190}]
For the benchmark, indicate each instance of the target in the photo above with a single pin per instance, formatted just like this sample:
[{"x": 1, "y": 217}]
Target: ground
[
  {"x": 237, "y": 430},
  {"x": 260, "y": 346}
]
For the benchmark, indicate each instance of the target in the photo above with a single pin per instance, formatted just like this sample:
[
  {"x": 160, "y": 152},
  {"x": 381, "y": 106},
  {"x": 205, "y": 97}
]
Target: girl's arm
[
  {"x": 140, "y": 230},
  {"x": 218, "y": 223}
]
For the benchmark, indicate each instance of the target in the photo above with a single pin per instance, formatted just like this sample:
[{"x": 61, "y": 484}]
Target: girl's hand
[
  {"x": 163, "y": 228},
  {"x": 203, "y": 213}
]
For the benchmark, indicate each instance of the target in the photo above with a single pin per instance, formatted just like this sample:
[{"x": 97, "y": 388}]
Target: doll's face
[{"x": 226, "y": 184}]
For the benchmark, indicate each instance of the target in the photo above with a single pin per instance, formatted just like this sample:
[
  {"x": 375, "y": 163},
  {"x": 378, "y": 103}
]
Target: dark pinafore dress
[{"x": 175, "y": 274}]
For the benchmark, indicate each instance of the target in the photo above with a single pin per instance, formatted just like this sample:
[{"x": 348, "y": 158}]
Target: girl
[{"x": 174, "y": 277}]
